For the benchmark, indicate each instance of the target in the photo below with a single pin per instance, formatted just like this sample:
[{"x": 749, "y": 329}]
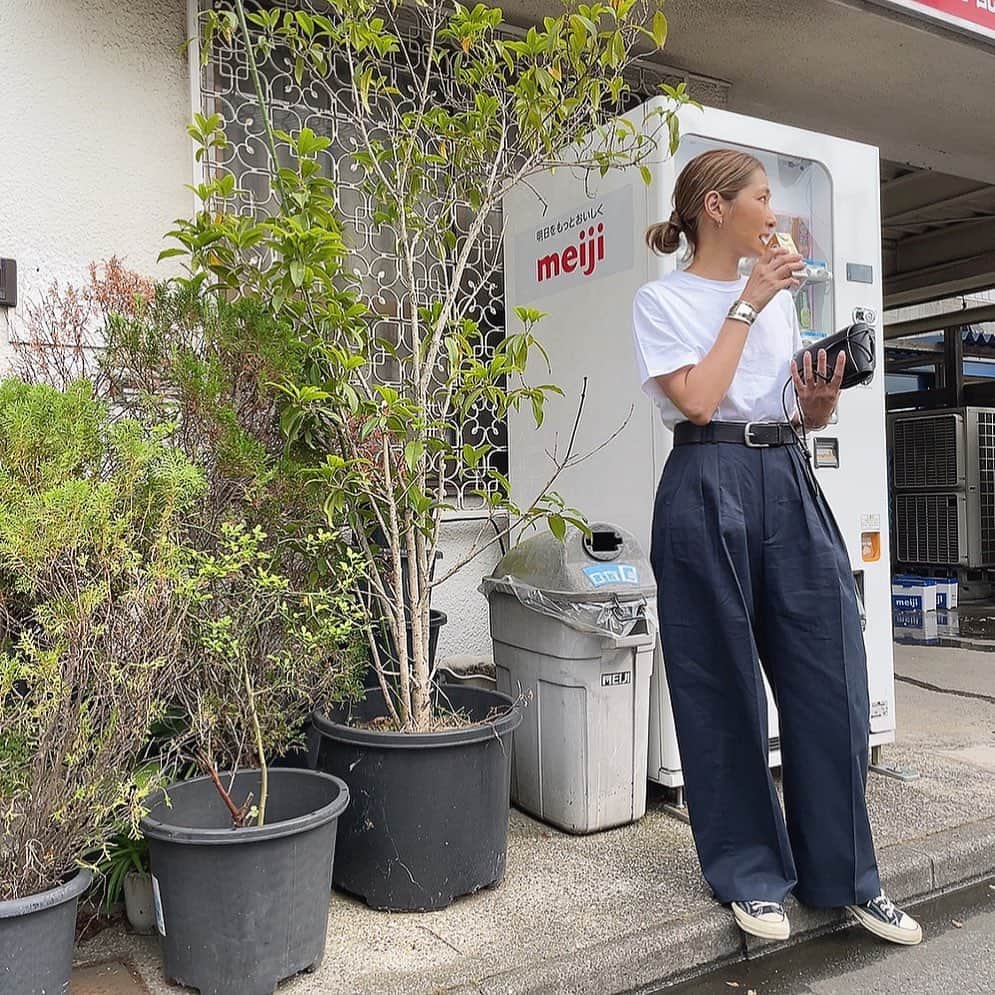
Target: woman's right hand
[{"x": 772, "y": 272}]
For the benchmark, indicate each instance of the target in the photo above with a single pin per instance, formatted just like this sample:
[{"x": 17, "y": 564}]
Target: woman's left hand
[{"x": 818, "y": 393}]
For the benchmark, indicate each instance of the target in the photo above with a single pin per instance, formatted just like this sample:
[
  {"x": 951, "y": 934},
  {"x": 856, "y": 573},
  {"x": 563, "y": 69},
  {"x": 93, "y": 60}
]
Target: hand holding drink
[{"x": 774, "y": 271}]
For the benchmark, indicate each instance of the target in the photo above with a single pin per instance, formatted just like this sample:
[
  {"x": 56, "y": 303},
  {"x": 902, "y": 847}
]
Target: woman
[{"x": 751, "y": 571}]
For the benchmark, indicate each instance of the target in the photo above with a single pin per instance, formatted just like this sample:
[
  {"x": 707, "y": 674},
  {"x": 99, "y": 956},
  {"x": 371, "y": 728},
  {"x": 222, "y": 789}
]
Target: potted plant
[
  {"x": 480, "y": 112},
  {"x": 124, "y": 870},
  {"x": 90, "y": 623},
  {"x": 243, "y": 850},
  {"x": 242, "y": 856}
]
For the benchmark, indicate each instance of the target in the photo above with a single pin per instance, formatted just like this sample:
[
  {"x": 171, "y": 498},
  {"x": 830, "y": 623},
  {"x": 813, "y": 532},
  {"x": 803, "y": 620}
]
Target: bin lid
[{"x": 608, "y": 566}]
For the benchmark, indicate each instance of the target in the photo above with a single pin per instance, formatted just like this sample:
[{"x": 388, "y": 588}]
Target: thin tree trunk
[
  {"x": 420, "y": 696},
  {"x": 397, "y": 621}
]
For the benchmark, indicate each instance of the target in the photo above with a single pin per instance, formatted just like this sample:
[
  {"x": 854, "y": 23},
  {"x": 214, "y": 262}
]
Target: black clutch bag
[{"x": 857, "y": 342}]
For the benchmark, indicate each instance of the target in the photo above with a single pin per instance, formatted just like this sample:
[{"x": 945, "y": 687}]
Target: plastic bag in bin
[{"x": 603, "y": 618}]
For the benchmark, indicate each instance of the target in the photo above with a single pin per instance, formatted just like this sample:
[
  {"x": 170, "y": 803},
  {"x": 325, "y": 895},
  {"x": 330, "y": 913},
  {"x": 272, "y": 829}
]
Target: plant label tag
[
  {"x": 616, "y": 679},
  {"x": 160, "y": 921}
]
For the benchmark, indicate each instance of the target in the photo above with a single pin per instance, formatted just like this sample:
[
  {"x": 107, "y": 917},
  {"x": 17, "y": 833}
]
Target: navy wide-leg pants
[{"x": 752, "y": 573}]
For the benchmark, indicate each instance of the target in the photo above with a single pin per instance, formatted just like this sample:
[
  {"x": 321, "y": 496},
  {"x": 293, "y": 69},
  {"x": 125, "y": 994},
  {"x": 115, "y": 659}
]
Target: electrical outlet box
[{"x": 8, "y": 283}]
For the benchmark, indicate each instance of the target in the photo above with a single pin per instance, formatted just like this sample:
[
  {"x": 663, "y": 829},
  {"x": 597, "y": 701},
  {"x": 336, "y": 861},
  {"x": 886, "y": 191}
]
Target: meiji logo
[
  {"x": 583, "y": 257},
  {"x": 617, "y": 679},
  {"x": 906, "y": 602}
]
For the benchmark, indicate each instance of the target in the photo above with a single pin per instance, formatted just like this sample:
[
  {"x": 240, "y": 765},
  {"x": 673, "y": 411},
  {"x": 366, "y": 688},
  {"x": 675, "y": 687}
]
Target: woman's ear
[{"x": 714, "y": 207}]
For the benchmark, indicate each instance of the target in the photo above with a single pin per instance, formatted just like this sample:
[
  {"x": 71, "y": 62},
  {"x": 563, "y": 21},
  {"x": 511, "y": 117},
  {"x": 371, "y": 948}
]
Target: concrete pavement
[
  {"x": 627, "y": 909},
  {"x": 956, "y": 956}
]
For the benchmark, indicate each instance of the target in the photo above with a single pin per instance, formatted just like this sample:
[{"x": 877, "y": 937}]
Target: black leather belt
[{"x": 755, "y": 434}]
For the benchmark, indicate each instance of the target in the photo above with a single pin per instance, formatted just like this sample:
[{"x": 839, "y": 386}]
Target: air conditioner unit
[
  {"x": 943, "y": 486},
  {"x": 931, "y": 528}
]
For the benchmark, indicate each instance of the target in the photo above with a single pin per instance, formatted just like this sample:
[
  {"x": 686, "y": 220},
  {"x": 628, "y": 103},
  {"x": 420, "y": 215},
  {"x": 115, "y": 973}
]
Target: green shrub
[{"x": 92, "y": 612}]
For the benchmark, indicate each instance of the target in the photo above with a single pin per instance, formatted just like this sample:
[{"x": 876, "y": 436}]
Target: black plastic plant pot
[
  {"x": 239, "y": 910},
  {"x": 429, "y": 815},
  {"x": 388, "y": 652},
  {"x": 37, "y": 934}
]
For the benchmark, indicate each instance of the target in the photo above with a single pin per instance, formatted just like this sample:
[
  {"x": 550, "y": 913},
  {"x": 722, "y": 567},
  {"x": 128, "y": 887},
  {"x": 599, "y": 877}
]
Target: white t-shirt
[{"x": 675, "y": 322}]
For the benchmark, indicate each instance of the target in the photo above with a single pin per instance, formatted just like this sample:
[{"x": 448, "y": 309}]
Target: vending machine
[{"x": 574, "y": 249}]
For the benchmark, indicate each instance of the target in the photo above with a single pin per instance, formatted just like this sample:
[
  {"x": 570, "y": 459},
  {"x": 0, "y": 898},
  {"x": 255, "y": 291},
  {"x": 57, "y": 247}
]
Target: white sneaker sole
[
  {"x": 758, "y": 927},
  {"x": 894, "y": 934}
]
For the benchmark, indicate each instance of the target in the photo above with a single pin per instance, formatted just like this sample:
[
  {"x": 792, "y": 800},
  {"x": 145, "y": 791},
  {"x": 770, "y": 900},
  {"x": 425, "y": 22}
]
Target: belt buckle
[{"x": 749, "y": 442}]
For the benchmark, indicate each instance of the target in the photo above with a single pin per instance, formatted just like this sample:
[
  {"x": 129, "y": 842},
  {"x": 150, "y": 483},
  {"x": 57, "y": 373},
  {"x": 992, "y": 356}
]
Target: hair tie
[{"x": 676, "y": 220}]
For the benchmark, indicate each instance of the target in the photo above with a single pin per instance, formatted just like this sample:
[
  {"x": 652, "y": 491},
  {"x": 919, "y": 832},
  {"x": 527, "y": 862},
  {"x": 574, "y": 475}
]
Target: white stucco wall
[
  {"x": 94, "y": 153},
  {"x": 467, "y": 633}
]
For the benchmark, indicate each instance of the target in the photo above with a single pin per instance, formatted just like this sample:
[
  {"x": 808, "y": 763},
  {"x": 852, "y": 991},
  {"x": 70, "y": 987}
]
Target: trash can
[{"x": 573, "y": 636}]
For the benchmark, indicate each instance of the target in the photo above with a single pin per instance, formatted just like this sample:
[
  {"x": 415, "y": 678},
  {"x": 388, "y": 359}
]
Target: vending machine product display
[{"x": 575, "y": 250}]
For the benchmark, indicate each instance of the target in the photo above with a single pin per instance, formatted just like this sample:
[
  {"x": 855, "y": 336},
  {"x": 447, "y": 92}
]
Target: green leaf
[
  {"x": 674, "y": 133},
  {"x": 413, "y": 452},
  {"x": 537, "y": 400},
  {"x": 529, "y": 315},
  {"x": 646, "y": 175},
  {"x": 557, "y": 526},
  {"x": 472, "y": 455},
  {"x": 660, "y": 29}
]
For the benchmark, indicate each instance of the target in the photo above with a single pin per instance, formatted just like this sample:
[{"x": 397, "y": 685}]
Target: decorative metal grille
[{"x": 227, "y": 90}]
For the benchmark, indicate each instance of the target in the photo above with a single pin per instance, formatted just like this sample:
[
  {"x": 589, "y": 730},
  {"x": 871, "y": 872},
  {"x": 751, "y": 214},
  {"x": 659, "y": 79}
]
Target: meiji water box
[
  {"x": 911, "y": 594},
  {"x": 946, "y": 592}
]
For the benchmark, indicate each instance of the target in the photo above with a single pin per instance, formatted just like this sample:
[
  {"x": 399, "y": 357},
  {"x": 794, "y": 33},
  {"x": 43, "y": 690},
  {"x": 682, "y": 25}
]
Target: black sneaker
[
  {"x": 883, "y": 919},
  {"x": 767, "y": 920}
]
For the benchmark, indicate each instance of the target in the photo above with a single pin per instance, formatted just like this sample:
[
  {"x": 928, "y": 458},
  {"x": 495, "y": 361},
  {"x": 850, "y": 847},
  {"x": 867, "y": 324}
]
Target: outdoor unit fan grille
[
  {"x": 986, "y": 483},
  {"x": 927, "y": 528},
  {"x": 925, "y": 452}
]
